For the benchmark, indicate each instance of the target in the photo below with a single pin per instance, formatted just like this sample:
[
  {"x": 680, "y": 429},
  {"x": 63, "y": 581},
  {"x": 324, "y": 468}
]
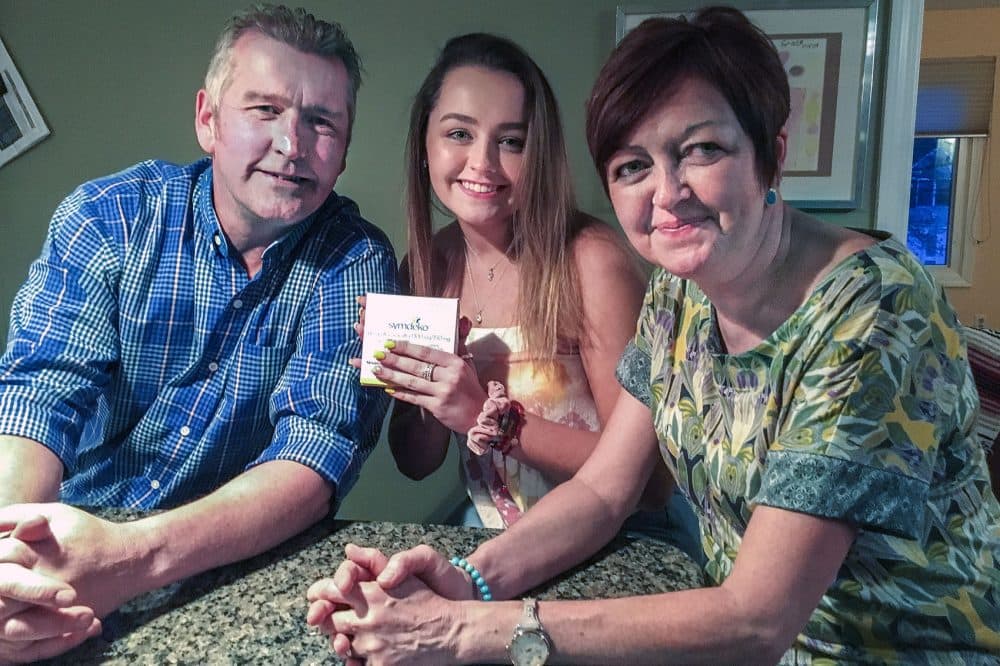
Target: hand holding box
[{"x": 432, "y": 322}]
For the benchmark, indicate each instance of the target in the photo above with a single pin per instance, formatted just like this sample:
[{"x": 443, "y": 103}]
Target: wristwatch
[{"x": 530, "y": 645}]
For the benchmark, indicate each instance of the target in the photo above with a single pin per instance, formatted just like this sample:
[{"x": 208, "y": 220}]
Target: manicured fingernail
[
  {"x": 390, "y": 391},
  {"x": 379, "y": 355},
  {"x": 390, "y": 344}
]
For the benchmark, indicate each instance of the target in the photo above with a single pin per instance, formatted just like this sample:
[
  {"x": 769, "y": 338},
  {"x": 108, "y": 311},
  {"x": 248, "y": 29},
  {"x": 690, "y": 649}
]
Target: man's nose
[{"x": 288, "y": 138}]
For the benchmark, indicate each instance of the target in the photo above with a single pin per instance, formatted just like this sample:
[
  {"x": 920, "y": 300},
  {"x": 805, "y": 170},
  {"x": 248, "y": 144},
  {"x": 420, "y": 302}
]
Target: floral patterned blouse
[{"x": 859, "y": 407}]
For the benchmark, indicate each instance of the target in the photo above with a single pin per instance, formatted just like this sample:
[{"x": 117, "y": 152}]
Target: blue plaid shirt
[{"x": 142, "y": 355}]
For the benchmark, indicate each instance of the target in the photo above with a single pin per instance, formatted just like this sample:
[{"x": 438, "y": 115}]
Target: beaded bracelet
[{"x": 477, "y": 579}]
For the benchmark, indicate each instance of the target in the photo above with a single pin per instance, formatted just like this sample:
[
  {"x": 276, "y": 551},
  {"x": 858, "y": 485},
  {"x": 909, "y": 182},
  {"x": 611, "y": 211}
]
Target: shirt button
[
  {"x": 185, "y": 431},
  {"x": 217, "y": 239},
  {"x": 213, "y": 366},
  {"x": 154, "y": 484},
  {"x": 237, "y": 304}
]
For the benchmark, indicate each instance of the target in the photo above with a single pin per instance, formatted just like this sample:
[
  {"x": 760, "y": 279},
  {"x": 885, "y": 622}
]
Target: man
[{"x": 184, "y": 337}]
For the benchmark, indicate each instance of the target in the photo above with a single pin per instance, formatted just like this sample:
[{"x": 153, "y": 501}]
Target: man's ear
[{"x": 204, "y": 121}]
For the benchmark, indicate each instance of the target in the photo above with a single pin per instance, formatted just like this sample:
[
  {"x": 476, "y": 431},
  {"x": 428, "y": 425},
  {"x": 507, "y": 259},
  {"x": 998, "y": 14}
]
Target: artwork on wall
[
  {"x": 21, "y": 124},
  {"x": 828, "y": 50}
]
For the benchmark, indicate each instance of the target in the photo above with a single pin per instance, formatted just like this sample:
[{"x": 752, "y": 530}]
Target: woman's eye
[
  {"x": 703, "y": 152},
  {"x": 628, "y": 169},
  {"x": 459, "y": 135},
  {"x": 513, "y": 144}
]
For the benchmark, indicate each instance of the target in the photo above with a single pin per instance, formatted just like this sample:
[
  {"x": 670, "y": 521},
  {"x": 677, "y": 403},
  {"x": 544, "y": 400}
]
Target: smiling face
[
  {"x": 475, "y": 141},
  {"x": 686, "y": 191},
  {"x": 278, "y": 137}
]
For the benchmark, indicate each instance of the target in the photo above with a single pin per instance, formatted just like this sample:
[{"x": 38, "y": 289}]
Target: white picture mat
[{"x": 17, "y": 109}]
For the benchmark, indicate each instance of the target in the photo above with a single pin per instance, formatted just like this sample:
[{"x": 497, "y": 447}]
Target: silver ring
[
  {"x": 467, "y": 358},
  {"x": 427, "y": 373}
]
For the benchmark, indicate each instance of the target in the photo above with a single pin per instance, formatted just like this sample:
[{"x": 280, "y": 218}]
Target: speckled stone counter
[{"x": 253, "y": 612}]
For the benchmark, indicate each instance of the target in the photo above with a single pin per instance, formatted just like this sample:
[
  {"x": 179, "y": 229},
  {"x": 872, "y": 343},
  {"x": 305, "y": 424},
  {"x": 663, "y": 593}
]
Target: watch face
[{"x": 529, "y": 648}]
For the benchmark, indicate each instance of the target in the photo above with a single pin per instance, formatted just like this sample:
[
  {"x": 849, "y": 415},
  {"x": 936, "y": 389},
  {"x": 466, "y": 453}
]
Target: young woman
[{"x": 551, "y": 293}]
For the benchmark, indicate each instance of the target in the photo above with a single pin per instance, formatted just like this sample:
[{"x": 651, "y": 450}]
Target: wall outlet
[{"x": 979, "y": 320}]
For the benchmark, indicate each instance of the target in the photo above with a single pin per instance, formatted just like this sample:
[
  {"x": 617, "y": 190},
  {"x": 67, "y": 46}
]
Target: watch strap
[{"x": 529, "y": 615}]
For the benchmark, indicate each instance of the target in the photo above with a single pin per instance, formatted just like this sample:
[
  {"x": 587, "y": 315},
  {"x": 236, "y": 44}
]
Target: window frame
[{"x": 966, "y": 175}]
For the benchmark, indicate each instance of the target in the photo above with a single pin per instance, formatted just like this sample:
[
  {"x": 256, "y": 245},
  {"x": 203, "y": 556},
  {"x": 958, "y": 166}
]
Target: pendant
[
  {"x": 489, "y": 275},
  {"x": 479, "y": 317}
]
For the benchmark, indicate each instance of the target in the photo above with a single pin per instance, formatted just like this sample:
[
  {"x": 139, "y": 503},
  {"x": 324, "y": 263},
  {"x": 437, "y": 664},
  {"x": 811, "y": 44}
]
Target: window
[
  {"x": 931, "y": 188},
  {"x": 954, "y": 102}
]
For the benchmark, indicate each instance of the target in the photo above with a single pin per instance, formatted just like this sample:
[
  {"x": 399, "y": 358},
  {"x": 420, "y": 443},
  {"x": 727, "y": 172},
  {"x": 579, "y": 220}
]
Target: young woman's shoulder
[{"x": 600, "y": 251}]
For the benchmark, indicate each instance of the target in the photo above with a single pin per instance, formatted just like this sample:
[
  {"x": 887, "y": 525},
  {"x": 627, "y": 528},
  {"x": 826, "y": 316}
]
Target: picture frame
[
  {"x": 21, "y": 123},
  {"x": 829, "y": 48}
]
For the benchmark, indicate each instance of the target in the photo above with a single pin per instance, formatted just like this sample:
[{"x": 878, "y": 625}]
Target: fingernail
[
  {"x": 390, "y": 391},
  {"x": 380, "y": 355},
  {"x": 65, "y": 597},
  {"x": 390, "y": 344}
]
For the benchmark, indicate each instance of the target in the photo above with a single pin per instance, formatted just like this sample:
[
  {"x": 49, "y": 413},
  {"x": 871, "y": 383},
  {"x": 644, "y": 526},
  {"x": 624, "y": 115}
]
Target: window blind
[{"x": 955, "y": 96}]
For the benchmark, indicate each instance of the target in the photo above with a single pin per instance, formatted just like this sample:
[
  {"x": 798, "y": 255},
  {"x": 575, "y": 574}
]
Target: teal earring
[{"x": 771, "y": 197}]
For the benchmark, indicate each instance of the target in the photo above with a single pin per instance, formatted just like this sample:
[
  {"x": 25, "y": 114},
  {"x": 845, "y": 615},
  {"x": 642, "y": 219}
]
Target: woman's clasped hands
[{"x": 388, "y": 610}]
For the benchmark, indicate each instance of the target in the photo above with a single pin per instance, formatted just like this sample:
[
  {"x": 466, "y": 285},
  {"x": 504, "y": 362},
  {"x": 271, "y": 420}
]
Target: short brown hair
[
  {"x": 296, "y": 28},
  {"x": 719, "y": 46}
]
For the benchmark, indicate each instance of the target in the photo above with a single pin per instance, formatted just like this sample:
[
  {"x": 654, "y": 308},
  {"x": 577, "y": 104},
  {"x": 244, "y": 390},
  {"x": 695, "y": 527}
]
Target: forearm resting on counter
[{"x": 29, "y": 471}]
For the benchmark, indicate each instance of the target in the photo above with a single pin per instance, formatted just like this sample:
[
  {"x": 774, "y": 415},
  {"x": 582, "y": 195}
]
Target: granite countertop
[{"x": 253, "y": 612}]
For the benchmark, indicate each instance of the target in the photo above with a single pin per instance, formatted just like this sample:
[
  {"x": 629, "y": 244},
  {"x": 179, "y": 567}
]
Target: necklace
[
  {"x": 475, "y": 292},
  {"x": 490, "y": 271}
]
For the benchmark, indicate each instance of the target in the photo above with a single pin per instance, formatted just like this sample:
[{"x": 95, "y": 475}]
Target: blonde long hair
[{"x": 545, "y": 221}]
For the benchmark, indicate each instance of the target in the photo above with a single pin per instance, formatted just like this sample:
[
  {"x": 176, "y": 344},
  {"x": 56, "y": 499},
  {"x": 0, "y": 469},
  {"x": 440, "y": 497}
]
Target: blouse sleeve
[
  {"x": 884, "y": 389},
  {"x": 634, "y": 371}
]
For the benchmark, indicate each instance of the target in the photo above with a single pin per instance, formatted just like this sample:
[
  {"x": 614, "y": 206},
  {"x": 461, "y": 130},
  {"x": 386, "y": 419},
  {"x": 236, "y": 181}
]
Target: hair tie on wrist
[
  {"x": 482, "y": 588},
  {"x": 499, "y": 425}
]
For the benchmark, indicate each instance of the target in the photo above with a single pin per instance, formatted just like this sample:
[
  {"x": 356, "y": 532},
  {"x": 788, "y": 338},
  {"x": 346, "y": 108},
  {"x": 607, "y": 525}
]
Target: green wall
[{"x": 116, "y": 81}]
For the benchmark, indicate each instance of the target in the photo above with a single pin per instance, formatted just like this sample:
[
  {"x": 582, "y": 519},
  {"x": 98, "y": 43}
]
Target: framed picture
[
  {"x": 828, "y": 48},
  {"x": 21, "y": 125}
]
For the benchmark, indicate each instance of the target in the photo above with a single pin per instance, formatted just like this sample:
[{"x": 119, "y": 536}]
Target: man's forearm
[
  {"x": 252, "y": 513},
  {"x": 29, "y": 471}
]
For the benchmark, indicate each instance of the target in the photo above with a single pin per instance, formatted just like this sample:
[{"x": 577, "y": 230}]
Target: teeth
[{"x": 479, "y": 187}]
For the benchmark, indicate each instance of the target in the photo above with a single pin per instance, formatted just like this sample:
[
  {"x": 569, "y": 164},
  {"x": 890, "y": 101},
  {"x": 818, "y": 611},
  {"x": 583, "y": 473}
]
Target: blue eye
[
  {"x": 512, "y": 143},
  {"x": 703, "y": 152},
  {"x": 630, "y": 168},
  {"x": 324, "y": 126},
  {"x": 265, "y": 111}
]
